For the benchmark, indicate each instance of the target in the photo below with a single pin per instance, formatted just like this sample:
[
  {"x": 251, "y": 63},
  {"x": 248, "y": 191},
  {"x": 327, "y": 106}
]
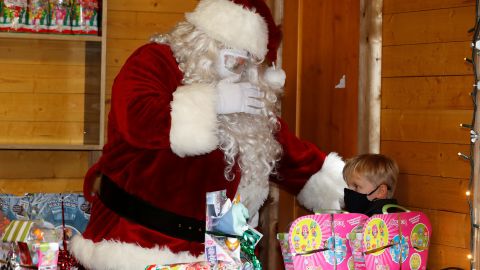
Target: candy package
[
  {"x": 13, "y": 15},
  {"x": 85, "y": 17},
  {"x": 38, "y": 16},
  {"x": 61, "y": 16}
]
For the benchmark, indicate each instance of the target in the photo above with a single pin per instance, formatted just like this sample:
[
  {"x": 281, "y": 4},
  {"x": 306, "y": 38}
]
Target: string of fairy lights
[{"x": 474, "y": 136}]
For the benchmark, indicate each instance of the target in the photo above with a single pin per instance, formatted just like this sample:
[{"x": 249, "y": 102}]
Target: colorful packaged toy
[
  {"x": 397, "y": 241},
  {"x": 354, "y": 241}
]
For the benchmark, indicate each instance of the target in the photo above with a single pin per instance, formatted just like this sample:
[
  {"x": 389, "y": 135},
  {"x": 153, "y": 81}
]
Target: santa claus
[{"x": 195, "y": 111}]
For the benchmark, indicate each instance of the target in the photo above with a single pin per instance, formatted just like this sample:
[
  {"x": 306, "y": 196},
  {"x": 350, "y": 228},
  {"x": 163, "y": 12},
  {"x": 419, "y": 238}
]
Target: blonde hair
[{"x": 376, "y": 168}]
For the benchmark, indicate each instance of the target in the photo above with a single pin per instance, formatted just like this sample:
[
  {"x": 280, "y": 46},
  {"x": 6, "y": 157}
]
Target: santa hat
[{"x": 240, "y": 24}]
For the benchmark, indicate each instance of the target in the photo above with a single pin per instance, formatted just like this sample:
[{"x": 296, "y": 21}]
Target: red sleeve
[
  {"x": 141, "y": 96},
  {"x": 300, "y": 160}
]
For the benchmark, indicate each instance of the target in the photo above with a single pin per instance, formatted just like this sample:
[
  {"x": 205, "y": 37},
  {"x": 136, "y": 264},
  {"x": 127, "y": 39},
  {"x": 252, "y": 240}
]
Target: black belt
[{"x": 145, "y": 214}]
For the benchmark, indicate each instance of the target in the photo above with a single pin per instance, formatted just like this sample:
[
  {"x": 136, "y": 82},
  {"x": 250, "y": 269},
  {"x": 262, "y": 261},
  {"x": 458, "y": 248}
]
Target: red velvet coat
[{"x": 139, "y": 158}]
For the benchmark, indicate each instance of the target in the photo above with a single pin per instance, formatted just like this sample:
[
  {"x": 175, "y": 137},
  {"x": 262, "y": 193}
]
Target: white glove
[{"x": 239, "y": 97}]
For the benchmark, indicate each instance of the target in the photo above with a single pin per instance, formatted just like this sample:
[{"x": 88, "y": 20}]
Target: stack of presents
[
  {"x": 346, "y": 241},
  {"x": 34, "y": 226}
]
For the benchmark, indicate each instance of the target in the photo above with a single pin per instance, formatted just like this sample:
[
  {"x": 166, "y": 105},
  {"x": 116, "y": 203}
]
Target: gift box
[
  {"x": 321, "y": 241},
  {"x": 354, "y": 241},
  {"x": 397, "y": 241}
]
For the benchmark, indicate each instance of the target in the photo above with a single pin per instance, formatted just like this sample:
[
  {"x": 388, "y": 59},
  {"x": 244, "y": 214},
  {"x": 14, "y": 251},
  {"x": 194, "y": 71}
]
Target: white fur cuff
[
  {"x": 107, "y": 255},
  {"x": 194, "y": 120},
  {"x": 324, "y": 190}
]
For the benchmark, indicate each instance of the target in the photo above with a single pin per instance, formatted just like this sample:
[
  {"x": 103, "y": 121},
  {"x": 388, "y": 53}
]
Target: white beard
[{"x": 249, "y": 140}]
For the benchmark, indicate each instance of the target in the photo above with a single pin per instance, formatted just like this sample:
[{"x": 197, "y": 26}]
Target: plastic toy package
[{"x": 354, "y": 241}]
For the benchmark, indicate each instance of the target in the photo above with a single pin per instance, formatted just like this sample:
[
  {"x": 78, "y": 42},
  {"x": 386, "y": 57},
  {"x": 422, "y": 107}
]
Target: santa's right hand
[{"x": 239, "y": 97}]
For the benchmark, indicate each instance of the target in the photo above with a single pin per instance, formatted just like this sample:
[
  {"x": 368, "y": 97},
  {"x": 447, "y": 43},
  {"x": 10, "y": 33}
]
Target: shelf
[
  {"x": 49, "y": 147},
  {"x": 50, "y": 36}
]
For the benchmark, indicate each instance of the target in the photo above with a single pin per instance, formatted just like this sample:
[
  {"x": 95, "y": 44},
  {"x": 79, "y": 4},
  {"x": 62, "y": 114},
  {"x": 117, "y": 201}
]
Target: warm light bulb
[
  {"x": 469, "y": 256},
  {"x": 468, "y": 193}
]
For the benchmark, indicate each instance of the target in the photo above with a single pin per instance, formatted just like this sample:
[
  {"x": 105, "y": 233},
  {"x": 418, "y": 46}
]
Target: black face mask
[{"x": 356, "y": 202}]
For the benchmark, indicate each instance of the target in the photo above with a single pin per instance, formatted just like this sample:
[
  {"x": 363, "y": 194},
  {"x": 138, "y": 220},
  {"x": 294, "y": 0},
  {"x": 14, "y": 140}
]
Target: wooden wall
[{"x": 425, "y": 96}]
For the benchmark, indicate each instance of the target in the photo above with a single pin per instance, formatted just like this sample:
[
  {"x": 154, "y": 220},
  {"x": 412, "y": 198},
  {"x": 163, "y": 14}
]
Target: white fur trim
[
  {"x": 275, "y": 77},
  {"x": 324, "y": 190},
  {"x": 110, "y": 255},
  {"x": 194, "y": 120},
  {"x": 231, "y": 24}
]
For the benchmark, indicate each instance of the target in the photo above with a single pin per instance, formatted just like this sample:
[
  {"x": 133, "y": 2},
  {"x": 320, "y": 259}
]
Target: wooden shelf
[
  {"x": 50, "y": 36},
  {"x": 49, "y": 147}
]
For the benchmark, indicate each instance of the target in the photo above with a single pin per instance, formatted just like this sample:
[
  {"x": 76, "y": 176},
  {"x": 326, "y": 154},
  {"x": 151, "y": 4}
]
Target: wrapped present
[{"x": 397, "y": 241}]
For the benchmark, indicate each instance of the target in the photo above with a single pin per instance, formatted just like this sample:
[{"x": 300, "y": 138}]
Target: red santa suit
[{"x": 162, "y": 149}]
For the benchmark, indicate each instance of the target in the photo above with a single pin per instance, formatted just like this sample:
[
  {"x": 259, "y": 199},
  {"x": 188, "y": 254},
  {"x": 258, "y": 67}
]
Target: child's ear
[{"x": 382, "y": 191}]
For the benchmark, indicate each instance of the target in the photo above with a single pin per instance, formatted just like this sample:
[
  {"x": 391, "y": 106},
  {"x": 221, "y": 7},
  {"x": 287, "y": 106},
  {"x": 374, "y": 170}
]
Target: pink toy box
[{"x": 353, "y": 241}]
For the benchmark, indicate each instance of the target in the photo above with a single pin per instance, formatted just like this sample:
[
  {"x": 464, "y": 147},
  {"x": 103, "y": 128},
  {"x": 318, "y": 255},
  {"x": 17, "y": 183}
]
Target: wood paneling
[
  {"x": 395, "y": 6},
  {"x": 41, "y": 52},
  {"x": 439, "y": 25},
  {"x": 441, "y": 256},
  {"x": 427, "y": 93},
  {"x": 155, "y": 6},
  {"x": 139, "y": 25},
  {"x": 42, "y": 164},
  {"x": 438, "y": 126},
  {"x": 425, "y": 96},
  {"x": 430, "y": 159},
  {"x": 41, "y": 185},
  {"x": 327, "y": 54},
  {"x": 431, "y": 192},
  {"x": 434, "y": 59},
  {"x": 47, "y": 79}
]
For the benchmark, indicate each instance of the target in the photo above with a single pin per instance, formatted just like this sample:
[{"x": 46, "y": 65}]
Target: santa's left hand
[{"x": 239, "y": 97}]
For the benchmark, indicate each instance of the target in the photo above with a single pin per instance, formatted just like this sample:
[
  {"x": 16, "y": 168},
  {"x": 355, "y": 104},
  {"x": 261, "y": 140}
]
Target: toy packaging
[
  {"x": 354, "y": 241},
  {"x": 397, "y": 241},
  {"x": 31, "y": 243},
  {"x": 195, "y": 266}
]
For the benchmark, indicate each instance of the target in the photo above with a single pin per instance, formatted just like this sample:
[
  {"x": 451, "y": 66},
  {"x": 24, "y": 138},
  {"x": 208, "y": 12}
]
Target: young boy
[{"x": 371, "y": 181}]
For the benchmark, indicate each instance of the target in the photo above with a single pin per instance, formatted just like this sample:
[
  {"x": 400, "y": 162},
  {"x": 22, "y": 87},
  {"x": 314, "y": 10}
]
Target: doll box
[
  {"x": 320, "y": 241},
  {"x": 354, "y": 241}
]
